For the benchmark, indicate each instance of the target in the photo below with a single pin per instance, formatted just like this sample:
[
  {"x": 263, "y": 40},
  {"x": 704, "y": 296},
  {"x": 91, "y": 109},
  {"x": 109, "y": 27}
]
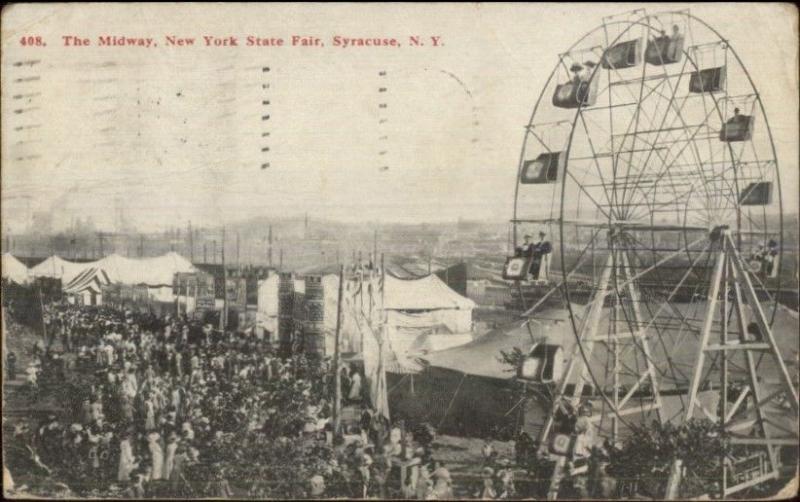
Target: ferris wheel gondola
[{"x": 649, "y": 161}]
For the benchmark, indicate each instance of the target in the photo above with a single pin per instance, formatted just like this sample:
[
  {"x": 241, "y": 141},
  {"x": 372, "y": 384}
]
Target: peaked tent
[
  {"x": 14, "y": 270},
  {"x": 56, "y": 267},
  {"x": 425, "y": 293},
  {"x": 425, "y": 308},
  {"x": 90, "y": 279},
  {"x": 88, "y": 286},
  {"x": 481, "y": 357},
  {"x": 468, "y": 390},
  {"x": 153, "y": 272}
]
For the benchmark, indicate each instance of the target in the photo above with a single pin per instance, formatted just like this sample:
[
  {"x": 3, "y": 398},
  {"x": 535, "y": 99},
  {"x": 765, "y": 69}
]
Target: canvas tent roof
[
  {"x": 155, "y": 271},
  {"x": 14, "y": 270},
  {"x": 425, "y": 293},
  {"x": 482, "y": 356},
  {"x": 59, "y": 268},
  {"x": 90, "y": 279}
]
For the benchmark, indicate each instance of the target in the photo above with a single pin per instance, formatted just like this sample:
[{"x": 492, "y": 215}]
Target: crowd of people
[{"x": 167, "y": 407}]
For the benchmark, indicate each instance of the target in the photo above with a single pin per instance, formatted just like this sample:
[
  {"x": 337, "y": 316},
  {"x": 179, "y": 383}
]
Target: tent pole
[{"x": 337, "y": 400}]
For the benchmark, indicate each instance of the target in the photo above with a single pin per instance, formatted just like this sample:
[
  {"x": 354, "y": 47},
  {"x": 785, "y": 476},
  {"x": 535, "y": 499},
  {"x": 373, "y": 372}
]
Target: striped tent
[{"x": 90, "y": 279}]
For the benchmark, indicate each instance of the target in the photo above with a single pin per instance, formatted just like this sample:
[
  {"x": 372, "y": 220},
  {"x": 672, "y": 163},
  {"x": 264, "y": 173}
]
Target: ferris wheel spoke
[
  {"x": 597, "y": 205},
  {"x": 690, "y": 141},
  {"x": 652, "y": 324},
  {"x": 687, "y": 274},
  {"x": 666, "y": 168},
  {"x": 660, "y": 127},
  {"x": 670, "y": 107},
  {"x": 678, "y": 196},
  {"x": 638, "y": 115},
  {"x": 596, "y": 162}
]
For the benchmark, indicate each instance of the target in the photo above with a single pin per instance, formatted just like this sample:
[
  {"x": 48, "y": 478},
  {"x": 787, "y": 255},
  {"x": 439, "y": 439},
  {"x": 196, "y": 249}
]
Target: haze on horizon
[{"x": 176, "y": 134}]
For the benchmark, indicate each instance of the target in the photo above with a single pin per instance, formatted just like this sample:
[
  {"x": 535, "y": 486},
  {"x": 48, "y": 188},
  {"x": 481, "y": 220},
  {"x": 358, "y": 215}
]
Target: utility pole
[
  {"x": 375, "y": 247},
  {"x": 223, "y": 319},
  {"x": 238, "y": 263},
  {"x": 141, "y": 245},
  {"x": 191, "y": 243},
  {"x": 337, "y": 400},
  {"x": 100, "y": 238},
  {"x": 269, "y": 253},
  {"x": 214, "y": 251},
  {"x": 280, "y": 259},
  {"x": 205, "y": 256}
]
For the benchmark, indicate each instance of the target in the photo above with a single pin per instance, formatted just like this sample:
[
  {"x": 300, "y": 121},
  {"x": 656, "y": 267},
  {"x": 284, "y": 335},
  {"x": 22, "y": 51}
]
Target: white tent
[
  {"x": 425, "y": 293},
  {"x": 156, "y": 272},
  {"x": 14, "y": 270},
  {"x": 90, "y": 279},
  {"x": 88, "y": 285},
  {"x": 420, "y": 314},
  {"x": 425, "y": 303},
  {"x": 58, "y": 268}
]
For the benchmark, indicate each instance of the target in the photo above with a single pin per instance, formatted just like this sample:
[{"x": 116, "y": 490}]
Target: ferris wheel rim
[{"x": 560, "y": 221}]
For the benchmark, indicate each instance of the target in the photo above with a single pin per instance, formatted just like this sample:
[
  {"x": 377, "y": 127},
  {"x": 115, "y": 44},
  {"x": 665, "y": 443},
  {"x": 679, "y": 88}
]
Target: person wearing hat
[
  {"x": 487, "y": 491},
  {"x": 11, "y": 365},
  {"x": 506, "y": 477},
  {"x": 424, "y": 483},
  {"x": 136, "y": 489},
  {"x": 156, "y": 455},
  {"x": 127, "y": 462},
  {"x": 443, "y": 483},
  {"x": 526, "y": 249},
  {"x": 576, "y": 70},
  {"x": 488, "y": 452},
  {"x": 316, "y": 486},
  {"x": 169, "y": 459}
]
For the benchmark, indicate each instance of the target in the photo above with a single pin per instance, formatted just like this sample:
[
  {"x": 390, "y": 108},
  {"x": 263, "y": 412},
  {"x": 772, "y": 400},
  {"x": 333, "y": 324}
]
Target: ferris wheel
[{"x": 649, "y": 162}]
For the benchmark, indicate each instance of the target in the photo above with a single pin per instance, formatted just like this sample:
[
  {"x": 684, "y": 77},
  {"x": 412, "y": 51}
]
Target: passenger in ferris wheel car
[
  {"x": 540, "y": 249},
  {"x": 580, "y": 90},
  {"x": 737, "y": 128},
  {"x": 526, "y": 250},
  {"x": 665, "y": 49}
]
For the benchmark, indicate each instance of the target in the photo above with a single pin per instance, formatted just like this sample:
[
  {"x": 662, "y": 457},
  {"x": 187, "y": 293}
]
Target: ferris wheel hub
[{"x": 718, "y": 232}]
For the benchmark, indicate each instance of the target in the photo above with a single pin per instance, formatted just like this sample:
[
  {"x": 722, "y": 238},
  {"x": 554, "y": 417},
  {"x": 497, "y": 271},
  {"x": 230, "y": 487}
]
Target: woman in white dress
[
  {"x": 355, "y": 387},
  {"x": 169, "y": 460},
  {"x": 149, "y": 414},
  {"x": 156, "y": 455},
  {"x": 127, "y": 462}
]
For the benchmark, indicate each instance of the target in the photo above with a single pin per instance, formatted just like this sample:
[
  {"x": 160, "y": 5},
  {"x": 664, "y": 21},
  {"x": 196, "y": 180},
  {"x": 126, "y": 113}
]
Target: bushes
[{"x": 648, "y": 454}]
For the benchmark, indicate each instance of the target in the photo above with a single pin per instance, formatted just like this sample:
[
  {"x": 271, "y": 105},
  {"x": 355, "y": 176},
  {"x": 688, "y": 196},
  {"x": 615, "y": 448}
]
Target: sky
[{"x": 177, "y": 133}]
